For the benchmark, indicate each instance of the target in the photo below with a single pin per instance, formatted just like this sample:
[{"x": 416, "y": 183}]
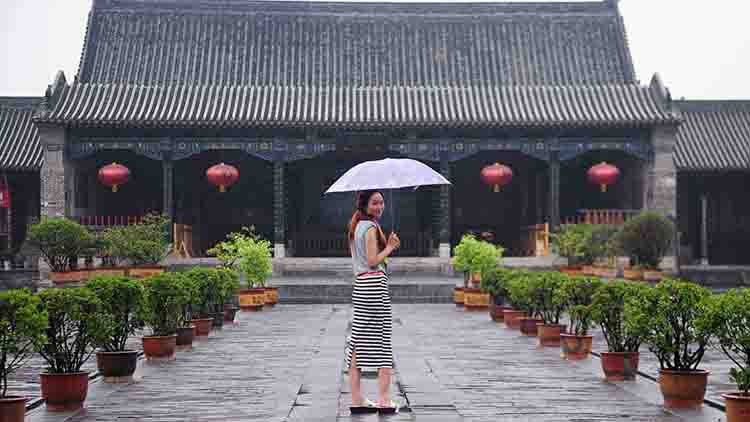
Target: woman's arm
[{"x": 373, "y": 257}]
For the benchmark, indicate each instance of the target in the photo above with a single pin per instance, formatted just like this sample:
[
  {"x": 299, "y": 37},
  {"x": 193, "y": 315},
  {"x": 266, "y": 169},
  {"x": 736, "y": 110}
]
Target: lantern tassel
[
  {"x": 604, "y": 188},
  {"x": 496, "y": 188},
  {"x": 114, "y": 188},
  {"x": 222, "y": 188}
]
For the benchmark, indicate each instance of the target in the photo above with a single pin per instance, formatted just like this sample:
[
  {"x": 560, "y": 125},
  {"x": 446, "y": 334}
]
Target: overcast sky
[{"x": 701, "y": 48}]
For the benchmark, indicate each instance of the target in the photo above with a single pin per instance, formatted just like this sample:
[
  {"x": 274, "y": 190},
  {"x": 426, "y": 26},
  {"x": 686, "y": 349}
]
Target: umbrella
[{"x": 390, "y": 174}]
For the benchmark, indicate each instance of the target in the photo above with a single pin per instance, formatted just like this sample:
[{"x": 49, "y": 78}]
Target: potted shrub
[
  {"x": 646, "y": 238},
  {"x": 161, "y": 311},
  {"x": 231, "y": 285},
  {"x": 77, "y": 324},
  {"x": 576, "y": 295},
  {"x": 601, "y": 250},
  {"x": 544, "y": 290},
  {"x": 60, "y": 242},
  {"x": 732, "y": 333},
  {"x": 522, "y": 296},
  {"x": 494, "y": 284},
  {"x": 186, "y": 330},
  {"x": 24, "y": 327},
  {"x": 144, "y": 245},
  {"x": 252, "y": 256},
  {"x": 512, "y": 314},
  {"x": 675, "y": 320},
  {"x": 121, "y": 299},
  {"x": 620, "y": 361},
  {"x": 460, "y": 263},
  {"x": 207, "y": 294},
  {"x": 570, "y": 242},
  {"x": 484, "y": 257}
]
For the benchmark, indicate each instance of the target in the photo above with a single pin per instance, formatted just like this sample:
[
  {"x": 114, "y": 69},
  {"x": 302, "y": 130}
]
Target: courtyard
[{"x": 287, "y": 364}]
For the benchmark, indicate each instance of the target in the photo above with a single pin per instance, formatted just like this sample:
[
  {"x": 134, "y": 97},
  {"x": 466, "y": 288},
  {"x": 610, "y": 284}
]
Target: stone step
[{"x": 414, "y": 289}]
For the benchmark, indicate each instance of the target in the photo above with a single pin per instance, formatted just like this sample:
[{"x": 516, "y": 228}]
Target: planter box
[
  {"x": 606, "y": 272},
  {"x": 272, "y": 296},
  {"x": 458, "y": 296},
  {"x": 252, "y": 299},
  {"x": 475, "y": 300},
  {"x": 144, "y": 272},
  {"x": 634, "y": 275},
  {"x": 69, "y": 276},
  {"x": 574, "y": 271},
  {"x": 653, "y": 276}
]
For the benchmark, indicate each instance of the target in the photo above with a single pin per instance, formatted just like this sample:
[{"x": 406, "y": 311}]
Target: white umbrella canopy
[{"x": 389, "y": 173}]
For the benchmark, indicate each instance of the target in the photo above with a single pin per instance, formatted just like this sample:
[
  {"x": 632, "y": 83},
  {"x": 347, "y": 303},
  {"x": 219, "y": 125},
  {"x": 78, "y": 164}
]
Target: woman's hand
[{"x": 393, "y": 241}]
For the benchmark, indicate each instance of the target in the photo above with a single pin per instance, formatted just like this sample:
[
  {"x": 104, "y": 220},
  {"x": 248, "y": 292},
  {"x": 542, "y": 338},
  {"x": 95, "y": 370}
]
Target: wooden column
[
  {"x": 279, "y": 214},
  {"x": 704, "y": 229},
  {"x": 554, "y": 191},
  {"x": 168, "y": 192},
  {"x": 444, "y": 233}
]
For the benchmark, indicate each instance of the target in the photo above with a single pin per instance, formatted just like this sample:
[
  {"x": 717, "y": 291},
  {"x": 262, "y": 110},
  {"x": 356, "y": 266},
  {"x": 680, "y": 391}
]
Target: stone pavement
[{"x": 287, "y": 364}]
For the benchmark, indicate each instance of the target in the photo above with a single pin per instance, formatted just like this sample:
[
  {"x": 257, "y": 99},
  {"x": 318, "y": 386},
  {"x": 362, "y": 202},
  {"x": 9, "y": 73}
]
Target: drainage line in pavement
[
  {"x": 33, "y": 404},
  {"x": 710, "y": 402}
]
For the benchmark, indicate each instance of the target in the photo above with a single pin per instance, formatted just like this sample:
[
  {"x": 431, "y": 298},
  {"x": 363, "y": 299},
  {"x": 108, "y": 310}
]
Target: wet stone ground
[{"x": 287, "y": 364}]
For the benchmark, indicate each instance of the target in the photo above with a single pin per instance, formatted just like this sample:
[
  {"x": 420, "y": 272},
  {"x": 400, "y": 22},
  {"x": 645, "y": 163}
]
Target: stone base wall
[{"x": 17, "y": 279}]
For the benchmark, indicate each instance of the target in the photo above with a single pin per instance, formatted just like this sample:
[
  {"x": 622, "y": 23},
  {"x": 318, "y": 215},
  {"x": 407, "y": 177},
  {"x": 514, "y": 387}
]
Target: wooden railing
[
  {"x": 102, "y": 221},
  {"x": 332, "y": 244},
  {"x": 602, "y": 216},
  {"x": 535, "y": 240}
]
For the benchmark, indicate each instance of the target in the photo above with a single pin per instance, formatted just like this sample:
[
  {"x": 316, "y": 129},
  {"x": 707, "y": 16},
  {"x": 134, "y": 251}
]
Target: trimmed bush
[
  {"x": 646, "y": 238},
  {"x": 60, "y": 241},
  {"x": 163, "y": 303},
  {"x": 732, "y": 332},
  {"x": 576, "y": 295},
  {"x": 250, "y": 253},
  {"x": 608, "y": 310},
  {"x": 22, "y": 329},
  {"x": 121, "y": 299}
]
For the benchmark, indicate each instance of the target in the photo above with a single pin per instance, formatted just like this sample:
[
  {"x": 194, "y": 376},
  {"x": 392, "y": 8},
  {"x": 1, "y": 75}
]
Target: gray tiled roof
[
  {"x": 513, "y": 106},
  {"x": 243, "y": 42},
  {"x": 19, "y": 140},
  {"x": 715, "y": 135}
]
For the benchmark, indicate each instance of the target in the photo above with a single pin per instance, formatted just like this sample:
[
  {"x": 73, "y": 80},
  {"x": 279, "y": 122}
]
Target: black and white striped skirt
[{"x": 372, "y": 323}]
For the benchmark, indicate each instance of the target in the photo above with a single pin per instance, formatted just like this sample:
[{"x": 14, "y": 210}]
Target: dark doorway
[{"x": 213, "y": 214}]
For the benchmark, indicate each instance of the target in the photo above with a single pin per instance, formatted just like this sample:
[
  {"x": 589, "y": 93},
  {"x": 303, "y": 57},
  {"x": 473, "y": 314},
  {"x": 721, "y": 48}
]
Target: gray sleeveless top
[{"x": 359, "y": 252}]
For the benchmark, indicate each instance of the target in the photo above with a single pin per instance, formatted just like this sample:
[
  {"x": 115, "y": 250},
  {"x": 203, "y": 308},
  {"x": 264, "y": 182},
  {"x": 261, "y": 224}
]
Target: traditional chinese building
[
  {"x": 20, "y": 162},
  {"x": 712, "y": 156},
  {"x": 294, "y": 93}
]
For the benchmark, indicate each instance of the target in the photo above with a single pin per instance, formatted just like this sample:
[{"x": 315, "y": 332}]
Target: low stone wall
[
  {"x": 17, "y": 279},
  {"x": 717, "y": 276}
]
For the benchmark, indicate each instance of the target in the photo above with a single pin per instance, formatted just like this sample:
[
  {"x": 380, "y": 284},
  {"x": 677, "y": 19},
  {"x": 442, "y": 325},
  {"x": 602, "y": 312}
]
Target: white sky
[{"x": 701, "y": 48}]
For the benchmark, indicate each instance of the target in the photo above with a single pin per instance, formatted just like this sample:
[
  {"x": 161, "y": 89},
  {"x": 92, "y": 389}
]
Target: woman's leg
[
  {"x": 384, "y": 385},
  {"x": 354, "y": 381}
]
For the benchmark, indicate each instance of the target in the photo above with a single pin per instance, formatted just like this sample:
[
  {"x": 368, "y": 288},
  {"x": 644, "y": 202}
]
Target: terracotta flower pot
[
  {"x": 252, "y": 299},
  {"x": 576, "y": 347},
  {"x": 620, "y": 366},
  {"x": 529, "y": 326},
  {"x": 13, "y": 409},
  {"x": 160, "y": 348},
  {"x": 229, "y": 314},
  {"x": 683, "y": 389},
  {"x": 607, "y": 272},
  {"x": 64, "y": 392},
  {"x": 202, "y": 326},
  {"x": 117, "y": 367},
  {"x": 512, "y": 318},
  {"x": 496, "y": 309},
  {"x": 185, "y": 337},
  {"x": 458, "y": 296},
  {"x": 272, "y": 296},
  {"x": 737, "y": 407},
  {"x": 549, "y": 334},
  {"x": 475, "y": 300}
]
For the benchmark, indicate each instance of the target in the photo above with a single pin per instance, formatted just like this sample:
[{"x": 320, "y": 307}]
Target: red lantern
[
  {"x": 4, "y": 196},
  {"x": 223, "y": 176},
  {"x": 114, "y": 175},
  {"x": 603, "y": 175},
  {"x": 497, "y": 176}
]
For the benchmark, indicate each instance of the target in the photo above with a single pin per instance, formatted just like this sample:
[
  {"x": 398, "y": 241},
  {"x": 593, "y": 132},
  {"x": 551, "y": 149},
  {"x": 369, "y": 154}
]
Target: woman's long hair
[{"x": 360, "y": 214}]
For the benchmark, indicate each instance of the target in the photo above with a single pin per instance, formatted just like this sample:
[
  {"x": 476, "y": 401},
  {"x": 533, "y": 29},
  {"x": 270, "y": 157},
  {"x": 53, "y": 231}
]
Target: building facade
[{"x": 293, "y": 94}]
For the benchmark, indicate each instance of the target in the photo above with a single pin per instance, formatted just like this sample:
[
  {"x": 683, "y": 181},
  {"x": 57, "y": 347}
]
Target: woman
[{"x": 369, "y": 345}]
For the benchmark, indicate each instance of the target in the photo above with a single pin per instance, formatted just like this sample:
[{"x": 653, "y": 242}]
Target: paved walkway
[{"x": 287, "y": 364}]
